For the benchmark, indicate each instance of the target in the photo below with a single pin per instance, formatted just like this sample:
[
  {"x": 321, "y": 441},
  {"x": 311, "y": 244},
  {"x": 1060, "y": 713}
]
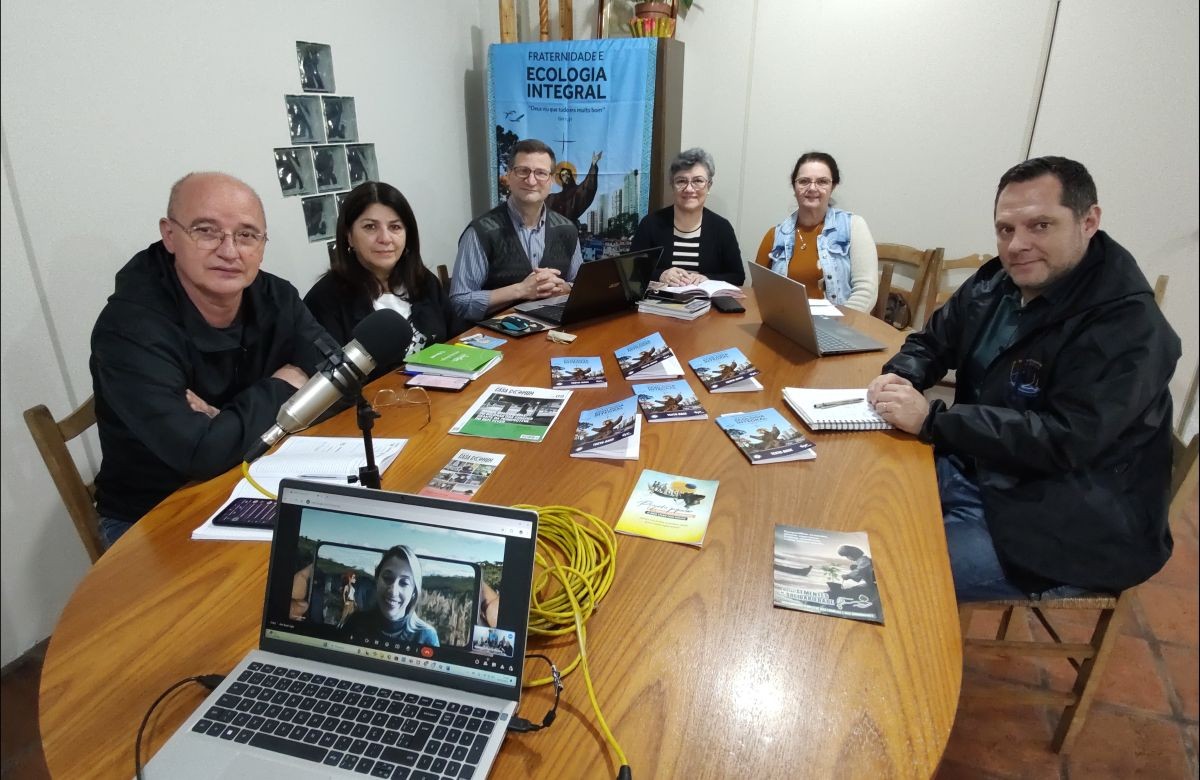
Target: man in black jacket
[
  {"x": 194, "y": 352},
  {"x": 1054, "y": 462}
]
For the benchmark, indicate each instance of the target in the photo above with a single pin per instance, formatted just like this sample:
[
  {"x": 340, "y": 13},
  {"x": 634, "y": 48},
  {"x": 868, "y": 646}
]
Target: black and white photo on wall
[
  {"x": 305, "y": 122},
  {"x": 320, "y": 217},
  {"x": 315, "y": 61},
  {"x": 341, "y": 123},
  {"x": 293, "y": 166},
  {"x": 329, "y": 162},
  {"x": 360, "y": 158}
]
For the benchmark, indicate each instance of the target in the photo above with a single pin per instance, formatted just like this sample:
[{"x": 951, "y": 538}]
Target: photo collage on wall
[{"x": 326, "y": 158}]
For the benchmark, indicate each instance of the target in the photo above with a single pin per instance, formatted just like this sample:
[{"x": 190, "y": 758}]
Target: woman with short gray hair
[{"x": 697, "y": 244}]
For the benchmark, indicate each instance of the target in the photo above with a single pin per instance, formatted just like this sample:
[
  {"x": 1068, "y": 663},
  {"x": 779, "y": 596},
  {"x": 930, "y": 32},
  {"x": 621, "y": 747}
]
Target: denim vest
[{"x": 833, "y": 252}]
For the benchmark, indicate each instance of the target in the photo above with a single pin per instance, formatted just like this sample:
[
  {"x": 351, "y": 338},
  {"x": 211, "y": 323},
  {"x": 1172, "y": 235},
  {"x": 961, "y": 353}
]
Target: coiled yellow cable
[{"x": 580, "y": 551}]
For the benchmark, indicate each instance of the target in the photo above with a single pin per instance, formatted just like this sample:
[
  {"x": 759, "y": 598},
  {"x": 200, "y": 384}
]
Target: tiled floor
[{"x": 1143, "y": 724}]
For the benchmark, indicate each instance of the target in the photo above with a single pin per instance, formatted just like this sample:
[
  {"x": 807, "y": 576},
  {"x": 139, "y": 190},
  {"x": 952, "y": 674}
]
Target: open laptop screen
[{"x": 408, "y": 586}]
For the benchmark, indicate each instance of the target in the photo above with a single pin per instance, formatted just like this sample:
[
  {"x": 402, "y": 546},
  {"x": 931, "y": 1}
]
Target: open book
[
  {"x": 834, "y": 410},
  {"x": 708, "y": 289},
  {"x": 316, "y": 458}
]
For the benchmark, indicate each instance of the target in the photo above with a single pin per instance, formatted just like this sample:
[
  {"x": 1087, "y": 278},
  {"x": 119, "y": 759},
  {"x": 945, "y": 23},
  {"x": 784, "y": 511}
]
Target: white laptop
[
  {"x": 783, "y": 304},
  {"x": 405, "y": 674}
]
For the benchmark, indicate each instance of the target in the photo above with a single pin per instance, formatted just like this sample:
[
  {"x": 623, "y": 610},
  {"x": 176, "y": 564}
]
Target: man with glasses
[
  {"x": 194, "y": 352},
  {"x": 1054, "y": 462},
  {"x": 520, "y": 250}
]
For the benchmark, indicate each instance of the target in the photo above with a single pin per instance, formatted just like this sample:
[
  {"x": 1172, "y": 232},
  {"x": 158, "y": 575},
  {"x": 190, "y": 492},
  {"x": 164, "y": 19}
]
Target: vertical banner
[{"x": 592, "y": 102}]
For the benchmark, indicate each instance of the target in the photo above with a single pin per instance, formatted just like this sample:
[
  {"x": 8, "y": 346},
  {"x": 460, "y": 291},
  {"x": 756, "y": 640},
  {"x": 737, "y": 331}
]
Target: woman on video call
[{"x": 397, "y": 591}]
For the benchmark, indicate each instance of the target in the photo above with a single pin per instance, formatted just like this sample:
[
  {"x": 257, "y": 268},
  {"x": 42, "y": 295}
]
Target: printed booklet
[
  {"x": 669, "y": 508},
  {"x": 609, "y": 431},
  {"x": 828, "y": 572},
  {"x": 669, "y": 401},
  {"x": 648, "y": 358},
  {"x": 461, "y": 478},
  {"x": 482, "y": 340},
  {"x": 765, "y": 437},
  {"x": 452, "y": 360},
  {"x": 577, "y": 372},
  {"x": 727, "y": 371},
  {"x": 516, "y": 413}
]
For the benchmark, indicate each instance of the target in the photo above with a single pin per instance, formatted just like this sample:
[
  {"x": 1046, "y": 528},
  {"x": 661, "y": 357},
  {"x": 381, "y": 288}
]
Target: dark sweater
[{"x": 720, "y": 257}]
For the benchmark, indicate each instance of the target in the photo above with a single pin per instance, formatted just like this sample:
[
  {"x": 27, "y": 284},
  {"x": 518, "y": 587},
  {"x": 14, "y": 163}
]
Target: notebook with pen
[
  {"x": 834, "y": 410},
  {"x": 392, "y": 643}
]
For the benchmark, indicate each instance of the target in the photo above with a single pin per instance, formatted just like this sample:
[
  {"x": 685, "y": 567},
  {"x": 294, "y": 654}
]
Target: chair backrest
[
  {"x": 51, "y": 437},
  {"x": 444, "y": 276},
  {"x": 948, "y": 277},
  {"x": 913, "y": 264},
  {"x": 1160, "y": 288}
]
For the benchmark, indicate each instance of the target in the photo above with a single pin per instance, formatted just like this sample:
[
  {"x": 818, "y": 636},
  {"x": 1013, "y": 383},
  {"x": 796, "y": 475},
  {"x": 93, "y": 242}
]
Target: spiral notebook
[{"x": 834, "y": 410}]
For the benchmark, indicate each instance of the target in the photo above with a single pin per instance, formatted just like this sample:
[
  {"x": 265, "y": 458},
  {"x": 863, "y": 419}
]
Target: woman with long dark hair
[{"x": 376, "y": 264}]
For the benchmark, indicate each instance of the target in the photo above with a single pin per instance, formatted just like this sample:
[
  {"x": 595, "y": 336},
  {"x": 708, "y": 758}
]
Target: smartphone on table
[{"x": 248, "y": 513}]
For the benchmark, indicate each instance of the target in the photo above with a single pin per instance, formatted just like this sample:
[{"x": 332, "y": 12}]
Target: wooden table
[{"x": 698, "y": 675}]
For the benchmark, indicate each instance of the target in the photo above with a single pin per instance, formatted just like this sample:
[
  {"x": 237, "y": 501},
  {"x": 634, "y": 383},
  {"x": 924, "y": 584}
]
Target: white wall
[
  {"x": 924, "y": 103},
  {"x": 104, "y": 106}
]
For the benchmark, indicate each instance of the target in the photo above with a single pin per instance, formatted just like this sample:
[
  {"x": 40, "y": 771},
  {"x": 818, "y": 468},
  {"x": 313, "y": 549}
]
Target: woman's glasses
[{"x": 411, "y": 395}]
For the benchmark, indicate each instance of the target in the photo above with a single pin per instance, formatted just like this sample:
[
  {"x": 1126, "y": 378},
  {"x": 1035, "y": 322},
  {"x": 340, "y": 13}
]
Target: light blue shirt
[{"x": 467, "y": 296}]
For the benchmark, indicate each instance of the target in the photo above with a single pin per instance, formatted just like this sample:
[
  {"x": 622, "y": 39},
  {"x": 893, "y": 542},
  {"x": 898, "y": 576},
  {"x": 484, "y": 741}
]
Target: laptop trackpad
[{"x": 266, "y": 768}]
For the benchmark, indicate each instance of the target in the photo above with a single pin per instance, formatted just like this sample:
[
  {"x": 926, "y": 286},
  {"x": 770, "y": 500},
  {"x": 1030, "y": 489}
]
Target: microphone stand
[{"x": 368, "y": 475}]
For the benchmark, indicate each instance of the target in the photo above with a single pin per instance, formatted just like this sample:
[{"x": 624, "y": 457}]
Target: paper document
[{"x": 315, "y": 458}]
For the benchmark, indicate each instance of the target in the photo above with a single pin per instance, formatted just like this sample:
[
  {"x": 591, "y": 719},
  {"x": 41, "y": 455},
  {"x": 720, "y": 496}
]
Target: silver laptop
[
  {"x": 388, "y": 647},
  {"x": 779, "y": 303},
  {"x": 602, "y": 286}
]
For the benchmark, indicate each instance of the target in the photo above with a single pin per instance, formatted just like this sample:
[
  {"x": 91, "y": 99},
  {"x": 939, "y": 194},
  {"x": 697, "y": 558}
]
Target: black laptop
[{"x": 602, "y": 286}]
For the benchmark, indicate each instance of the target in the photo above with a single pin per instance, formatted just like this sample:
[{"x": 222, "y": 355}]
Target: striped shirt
[{"x": 685, "y": 251}]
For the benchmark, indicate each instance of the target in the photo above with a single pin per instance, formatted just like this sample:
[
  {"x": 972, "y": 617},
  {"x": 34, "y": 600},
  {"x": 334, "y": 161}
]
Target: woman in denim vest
[{"x": 828, "y": 250}]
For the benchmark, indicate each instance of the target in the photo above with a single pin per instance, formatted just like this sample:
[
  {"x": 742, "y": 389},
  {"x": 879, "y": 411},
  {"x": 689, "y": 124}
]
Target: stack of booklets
[
  {"x": 669, "y": 508},
  {"x": 648, "y": 358},
  {"x": 461, "y": 478},
  {"x": 315, "y": 458},
  {"x": 681, "y": 310},
  {"x": 577, "y": 372},
  {"x": 834, "y": 410},
  {"x": 452, "y": 360},
  {"x": 764, "y": 436},
  {"x": 827, "y": 572},
  {"x": 515, "y": 413},
  {"x": 727, "y": 371},
  {"x": 669, "y": 401},
  {"x": 610, "y": 431}
]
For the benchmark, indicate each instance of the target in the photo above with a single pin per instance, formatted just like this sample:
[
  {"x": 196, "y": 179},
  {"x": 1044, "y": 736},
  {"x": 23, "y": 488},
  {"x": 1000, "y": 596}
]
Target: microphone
[{"x": 382, "y": 338}]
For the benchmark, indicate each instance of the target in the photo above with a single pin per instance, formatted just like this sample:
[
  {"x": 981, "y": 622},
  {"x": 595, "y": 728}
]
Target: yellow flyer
[{"x": 669, "y": 508}]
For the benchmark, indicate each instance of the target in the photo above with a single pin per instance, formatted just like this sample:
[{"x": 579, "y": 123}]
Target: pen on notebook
[{"x": 829, "y": 404}]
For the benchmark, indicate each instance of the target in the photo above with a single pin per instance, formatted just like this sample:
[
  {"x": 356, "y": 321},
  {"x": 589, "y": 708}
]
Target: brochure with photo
[
  {"x": 609, "y": 431},
  {"x": 669, "y": 401},
  {"x": 577, "y": 372},
  {"x": 669, "y": 507},
  {"x": 764, "y": 436},
  {"x": 648, "y": 358},
  {"x": 461, "y": 478},
  {"x": 515, "y": 413},
  {"x": 828, "y": 572},
  {"x": 727, "y": 371}
]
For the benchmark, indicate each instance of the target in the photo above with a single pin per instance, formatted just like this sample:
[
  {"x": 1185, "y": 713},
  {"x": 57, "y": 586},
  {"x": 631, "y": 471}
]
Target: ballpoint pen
[{"x": 829, "y": 404}]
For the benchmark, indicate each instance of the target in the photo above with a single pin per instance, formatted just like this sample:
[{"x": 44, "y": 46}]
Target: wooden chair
[
  {"x": 1088, "y": 658},
  {"x": 911, "y": 263},
  {"x": 444, "y": 276},
  {"x": 51, "y": 437},
  {"x": 948, "y": 277}
]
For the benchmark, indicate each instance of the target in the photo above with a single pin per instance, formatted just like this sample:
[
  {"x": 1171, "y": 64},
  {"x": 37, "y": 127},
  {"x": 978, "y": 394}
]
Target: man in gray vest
[{"x": 520, "y": 250}]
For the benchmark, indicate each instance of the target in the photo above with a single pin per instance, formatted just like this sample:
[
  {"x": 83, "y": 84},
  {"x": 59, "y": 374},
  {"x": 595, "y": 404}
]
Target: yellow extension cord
[{"x": 582, "y": 555}]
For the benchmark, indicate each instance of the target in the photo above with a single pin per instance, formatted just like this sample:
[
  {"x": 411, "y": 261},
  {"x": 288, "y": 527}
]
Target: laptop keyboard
[
  {"x": 831, "y": 342},
  {"x": 376, "y": 732}
]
